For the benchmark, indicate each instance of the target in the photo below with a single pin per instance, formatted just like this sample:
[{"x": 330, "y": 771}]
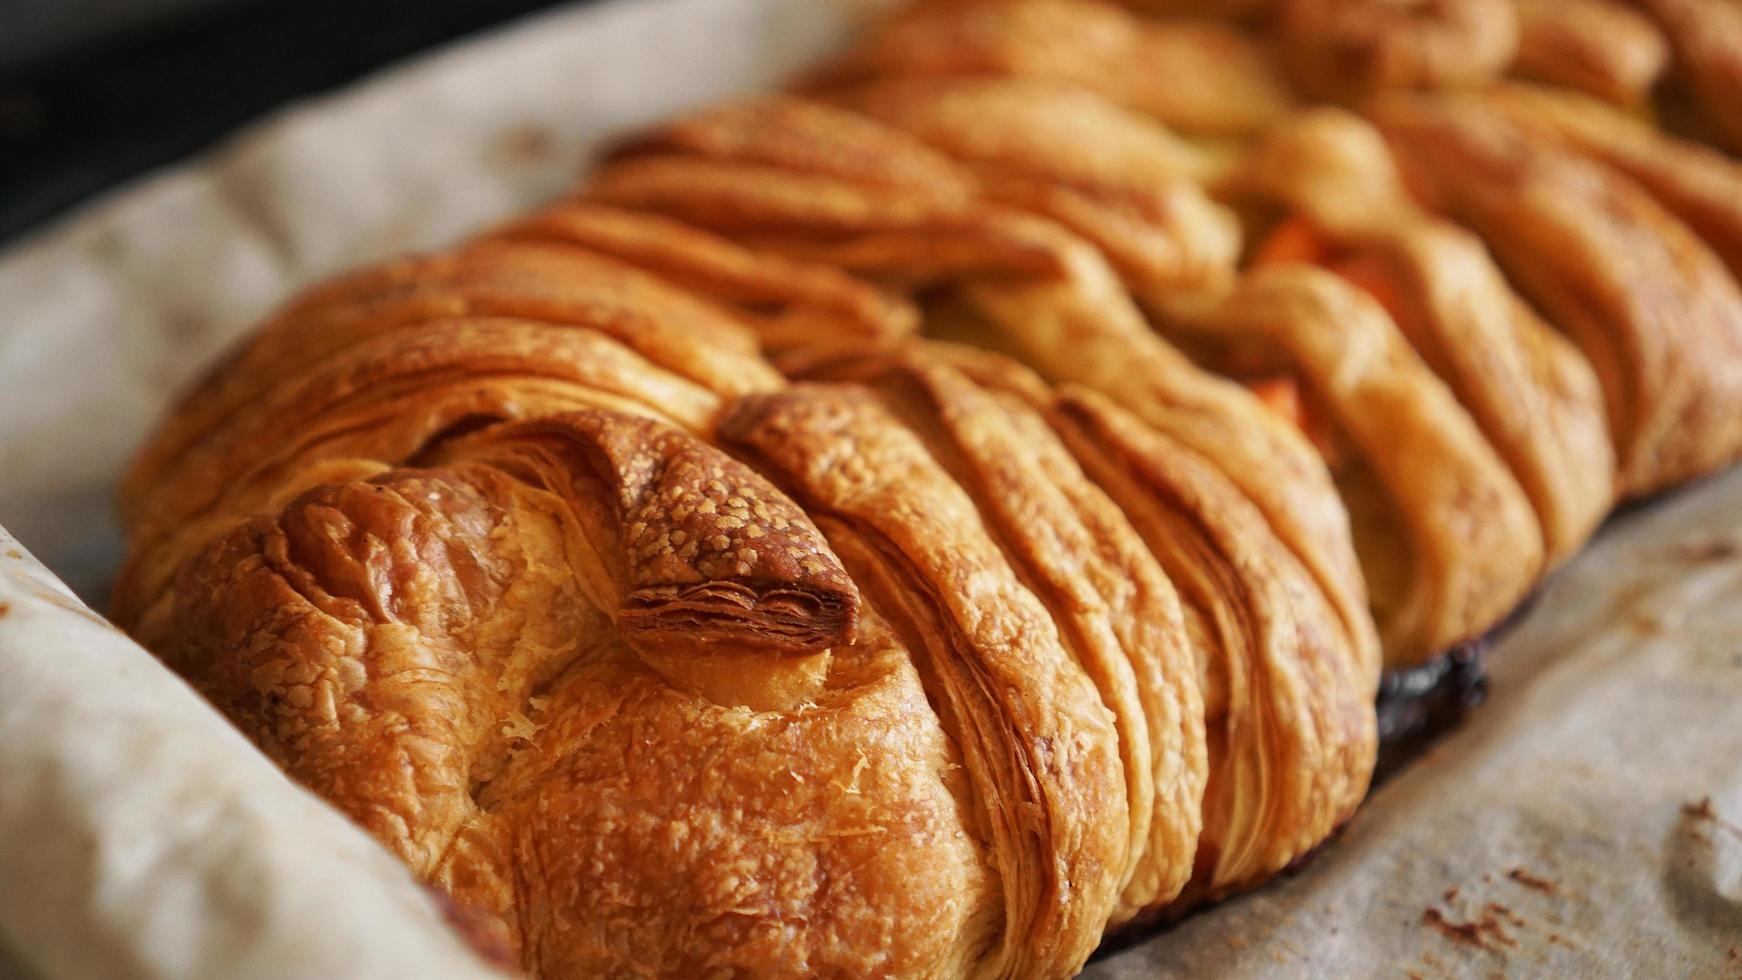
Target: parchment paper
[{"x": 1587, "y": 822}]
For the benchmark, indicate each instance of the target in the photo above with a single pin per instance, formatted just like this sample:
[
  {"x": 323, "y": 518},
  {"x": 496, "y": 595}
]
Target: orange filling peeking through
[
  {"x": 1379, "y": 536},
  {"x": 1294, "y": 239}
]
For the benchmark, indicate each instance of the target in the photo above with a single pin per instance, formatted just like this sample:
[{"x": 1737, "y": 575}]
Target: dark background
[{"x": 95, "y": 91}]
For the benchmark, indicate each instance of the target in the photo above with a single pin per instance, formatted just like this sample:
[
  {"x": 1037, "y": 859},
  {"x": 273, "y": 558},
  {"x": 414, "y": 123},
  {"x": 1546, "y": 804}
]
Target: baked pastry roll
[
  {"x": 447, "y": 540},
  {"x": 1649, "y": 304},
  {"x": 934, "y": 658},
  {"x": 470, "y": 656}
]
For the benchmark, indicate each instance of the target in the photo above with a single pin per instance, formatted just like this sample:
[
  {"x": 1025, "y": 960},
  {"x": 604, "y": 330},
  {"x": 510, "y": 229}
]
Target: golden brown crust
[
  {"x": 1473, "y": 545},
  {"x": 433, "y": 651},
  {"x": 1224, "y": 9},
  {"x": 827, "y": 840},
  {"x": 1039, "y": 746},
  {"x": 1284, "y": 689},
  {"x": 908, "y": 235},
  {"x": 802, "y": 179},
  {"x": 378, "y": 404},
  {"x": 1528, "y": 388},
  {"x": 1164, "y": 489},
  {"x": 529, "y": 281},
  {"x": 713, "y": 560},
  {"x": 1650, "y": 306},
  {"x": 801, "y": 134},
  {"x": 1191, "y": 518},
  {"x": 1602, "y": 47},
  {"x": 789, "y": 304},
  {"x": 944, "y": 670},
  {"x": 1117, "y": 613},
  {"x": 1085, "y": 330},
  {"x": 1702, "y": 186},
  {"x": 1343, "y": 49},
  {"x": 1033, "y": 125},
  {"x": 1117, "y": 178},
  {"x": 1197, "y": 76}
]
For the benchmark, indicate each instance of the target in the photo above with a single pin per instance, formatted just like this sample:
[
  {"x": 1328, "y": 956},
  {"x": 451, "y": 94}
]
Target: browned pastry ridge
[
  {"x": 919, "y": 523},
  {"x": 1604, "y": 48},
  {"x": 1345, "y": 48},
  {"x": 1647, "y": 300},
  {"x": 1475, "y": 453}
]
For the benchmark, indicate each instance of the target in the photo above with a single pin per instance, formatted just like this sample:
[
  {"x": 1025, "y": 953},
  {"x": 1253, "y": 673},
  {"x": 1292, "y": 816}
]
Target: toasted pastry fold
[
  {"x": 1605, "y": 48},
  {"x": 1529, "y": 390},
  {"x": 1651, "y": 306}
]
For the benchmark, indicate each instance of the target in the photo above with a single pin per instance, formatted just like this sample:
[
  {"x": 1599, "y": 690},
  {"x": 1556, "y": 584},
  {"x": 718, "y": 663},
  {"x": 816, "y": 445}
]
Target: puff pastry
[
  {"x": 1460, "y": 369},
  {"x": 919, "y": 522},
  {"x": 1649, "y": 303}
]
